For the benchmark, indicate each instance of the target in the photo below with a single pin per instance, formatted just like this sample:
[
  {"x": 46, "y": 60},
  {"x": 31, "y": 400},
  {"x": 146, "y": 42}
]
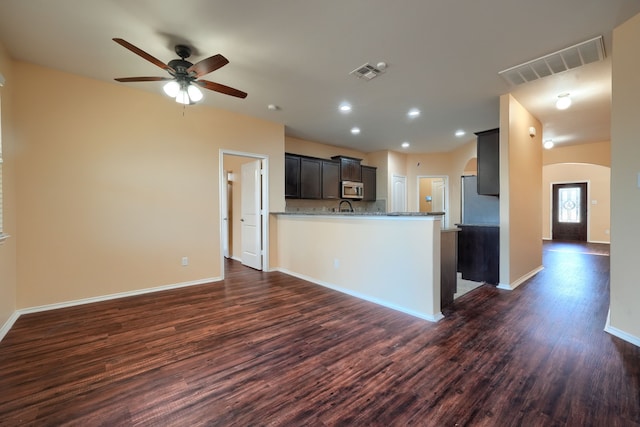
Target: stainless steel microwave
[{"x": 352, "y": 190}]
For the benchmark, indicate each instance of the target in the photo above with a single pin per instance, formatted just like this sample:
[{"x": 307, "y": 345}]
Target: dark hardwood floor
[{"x": 269, "y": 349}]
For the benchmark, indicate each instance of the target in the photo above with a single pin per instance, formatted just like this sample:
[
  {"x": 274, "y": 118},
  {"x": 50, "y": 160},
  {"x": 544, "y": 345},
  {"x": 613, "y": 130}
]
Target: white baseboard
[
  {"x": 73, "y": 303},
  {"x": 521, "y": 280},
  {"x": 9, "y": 323},
  {"x": 434, "y": 318},
  {"x": 619, "y": 333},
  {"x": 590, "y": 241}
]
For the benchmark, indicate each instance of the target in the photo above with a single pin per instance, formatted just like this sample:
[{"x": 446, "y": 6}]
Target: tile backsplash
[{"x": 307, "y": 205}]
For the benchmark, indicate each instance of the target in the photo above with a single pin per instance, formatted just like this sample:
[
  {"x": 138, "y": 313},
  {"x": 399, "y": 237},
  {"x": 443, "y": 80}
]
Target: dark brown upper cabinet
[
  {"x": 291, "y": 176},
  {"x": 310, "y": 178},
  {"x": 488, "y": 150},
  {"x": 369, "y": 183},
  {"x": 330, "y": 179},
  {"x": 349, "y": 168}
]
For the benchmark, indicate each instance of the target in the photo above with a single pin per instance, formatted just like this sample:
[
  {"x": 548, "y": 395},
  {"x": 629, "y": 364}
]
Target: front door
[
  {"x": 251, "y": 220},
  {"x": 569, "y": 218}
]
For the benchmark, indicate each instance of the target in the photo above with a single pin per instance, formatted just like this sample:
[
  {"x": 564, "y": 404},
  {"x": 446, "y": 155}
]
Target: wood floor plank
[{"x": 270, "y": 349}]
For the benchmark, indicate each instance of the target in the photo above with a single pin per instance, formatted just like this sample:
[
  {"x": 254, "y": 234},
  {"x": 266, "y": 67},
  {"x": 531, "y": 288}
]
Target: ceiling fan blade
[
  {"x": 142, "y": 79},
  {"x": 143, "y": 54},
  {"x": 208, "y": 65},
  {"x": 221, "y": 88}
]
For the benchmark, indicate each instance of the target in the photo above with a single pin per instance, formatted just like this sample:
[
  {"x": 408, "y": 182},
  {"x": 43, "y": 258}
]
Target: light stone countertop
[{"x": 358, "y": 213}]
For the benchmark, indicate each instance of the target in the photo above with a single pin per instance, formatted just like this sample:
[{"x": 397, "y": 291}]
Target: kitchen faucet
[{"x": 347, "y": 202}]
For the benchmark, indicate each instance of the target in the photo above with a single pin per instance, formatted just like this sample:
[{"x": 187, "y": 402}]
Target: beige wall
[
  {"x": 322, "y": 151},
  {"x": 425, "y": 189},
  {"x": 597, "y": 153},
  {"x": 116, "y": 185},
  {"x": 8, "y": 248},
  {"x": 598, "y": 180},
  {"x": 625, "y": 194},
  {"x": 520, "y": 194},
  {"x": 436, "y": 164}
]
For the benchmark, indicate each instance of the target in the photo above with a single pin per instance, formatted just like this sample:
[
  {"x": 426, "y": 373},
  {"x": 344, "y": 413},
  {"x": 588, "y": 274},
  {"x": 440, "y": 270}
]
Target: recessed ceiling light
[
  {"x": 564, "y": 101},
  {"x": 405, "y": 144},
  {"x": 413, "y": 113},
  {"x": 345, "y": 107},
  {"x": 548, "y": 144},
  {"x": 355, "y": 130},
  {"x": 460, "y": 133}
]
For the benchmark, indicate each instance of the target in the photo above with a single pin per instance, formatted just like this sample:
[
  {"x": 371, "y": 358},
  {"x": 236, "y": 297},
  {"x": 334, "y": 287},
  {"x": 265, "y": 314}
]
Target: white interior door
[
  {"x": 250, "y": 220},
  {"x": 399, "y": 193}
]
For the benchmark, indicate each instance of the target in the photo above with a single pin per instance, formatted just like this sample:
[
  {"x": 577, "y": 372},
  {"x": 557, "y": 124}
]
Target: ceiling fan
[{"x": 185, "y": 76}]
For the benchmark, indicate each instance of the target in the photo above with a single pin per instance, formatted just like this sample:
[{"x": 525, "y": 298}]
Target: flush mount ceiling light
[
  {"x": 548, "y": 144},
  {"x": 413, "y": 113},
  {"x": 405, "y": 144},
  {"x": 345, "y": 107},
  {"x": 460, "y": 133},
  {"x": 355, "y": 130},
  {"x": 564, "y": 101}
]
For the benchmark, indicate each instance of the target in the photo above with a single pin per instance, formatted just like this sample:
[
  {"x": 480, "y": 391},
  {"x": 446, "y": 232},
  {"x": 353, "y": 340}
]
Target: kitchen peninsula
[{"x": 392, "y": 259}]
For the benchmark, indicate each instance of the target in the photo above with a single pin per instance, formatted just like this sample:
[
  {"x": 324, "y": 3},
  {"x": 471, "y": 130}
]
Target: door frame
[
  {"x": 445, "y": 222},
  {"x": 264, "y": 159},
  {"x": 224, "y": 213},
  {"x": 551, "y": 184}
]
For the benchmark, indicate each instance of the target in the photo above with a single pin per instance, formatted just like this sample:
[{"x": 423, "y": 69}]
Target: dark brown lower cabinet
[
  {"x": 479, "y": 253},
  {"x": 448, "y": 265}
]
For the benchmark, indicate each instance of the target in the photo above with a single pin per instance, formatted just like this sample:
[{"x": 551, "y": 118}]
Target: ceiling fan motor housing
[
  {"x": 183, "y": 51},
  {"x": 180, "y": 66}
]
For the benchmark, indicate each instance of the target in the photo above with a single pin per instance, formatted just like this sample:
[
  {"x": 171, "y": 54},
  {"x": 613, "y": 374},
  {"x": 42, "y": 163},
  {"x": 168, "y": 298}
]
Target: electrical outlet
[
  {"x": 185, "y": 261},
  {"x": 336, "y": 263}
]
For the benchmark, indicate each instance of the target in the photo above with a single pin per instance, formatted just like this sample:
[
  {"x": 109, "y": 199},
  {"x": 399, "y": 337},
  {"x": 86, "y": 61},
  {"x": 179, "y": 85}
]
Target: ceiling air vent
[
  {"x": 366, "y": 71},
  {"x": 557, "y": 62}
]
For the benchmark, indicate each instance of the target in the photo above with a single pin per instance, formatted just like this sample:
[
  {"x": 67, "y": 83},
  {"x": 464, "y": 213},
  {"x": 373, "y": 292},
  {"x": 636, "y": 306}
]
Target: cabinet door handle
[{"x": 242, "y": 220}]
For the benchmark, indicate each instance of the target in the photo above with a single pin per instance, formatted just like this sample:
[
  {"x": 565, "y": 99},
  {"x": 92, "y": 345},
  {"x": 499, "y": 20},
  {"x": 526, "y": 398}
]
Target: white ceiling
[{"x": 443, "y": 57}]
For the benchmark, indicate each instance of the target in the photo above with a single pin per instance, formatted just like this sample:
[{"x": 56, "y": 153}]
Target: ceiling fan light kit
[{"x": 185, "y": 76}]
